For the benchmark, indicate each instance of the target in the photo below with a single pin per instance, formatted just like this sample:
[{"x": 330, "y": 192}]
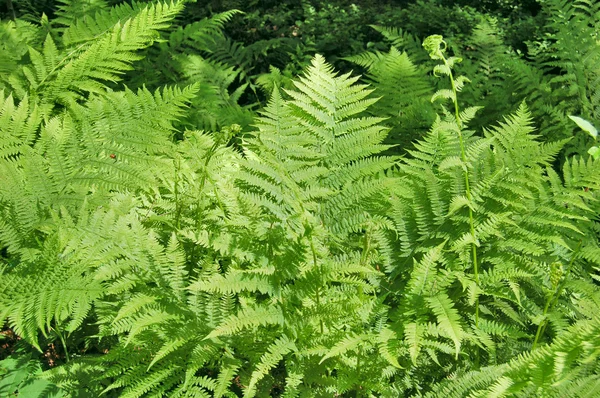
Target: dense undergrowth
[{"x": 185, "y": 214}]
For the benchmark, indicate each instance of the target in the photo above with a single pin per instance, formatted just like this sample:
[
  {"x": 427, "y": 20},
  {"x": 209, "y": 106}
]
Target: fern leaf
[
  {"x": 18, "y": 125},
  {"x": 108, "y": 56},
  {"x": 276, "y": 351},
  {"x": 413, "y": 337},
  {"x": 350, "y": 342},
  {"x": 448, "y": 318},
  {"x": 167, "y": 349},
  {"x": 247, "y": 318}
]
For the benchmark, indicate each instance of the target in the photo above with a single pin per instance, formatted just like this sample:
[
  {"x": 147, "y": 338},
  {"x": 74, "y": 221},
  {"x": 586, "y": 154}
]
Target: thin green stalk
[
  {"x": 11, "y": 9},
  {"x": 364, "y": 257},
  {"x": 63, "y": 342},
  {"x": 358, "y": 370},
  {"x": 318, "y": 295},
  {"x": 178, "y": 207},
  {"x": 463, "y": 155},
  {"x": 203, "y": 179},
  {"x": 358, "y": 361},
  {"x": 366, "y": 249},
  {"x": 542, "y": 324}
]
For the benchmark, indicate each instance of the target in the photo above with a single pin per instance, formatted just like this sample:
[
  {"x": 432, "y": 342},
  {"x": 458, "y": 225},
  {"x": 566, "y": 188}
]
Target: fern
[
  {"x": 70, "y": 11},
  {"x": 20, "y": 126},
  {"x": 64, "y": 78},
  {"x": 564, "y": 368},
  {"x": 561, "y": 78},
  {"x": 152, "y": 301},
  {"x": 15, "y": 37},
  {"x": 405, "y": 92},
  {"x": 487, "y": 61},
  {"x": 430, "y": 208},
  {"x": 165, "y": 56},
  {"x": 405, "y": 42},
  {"x": 85, "y": 27}
]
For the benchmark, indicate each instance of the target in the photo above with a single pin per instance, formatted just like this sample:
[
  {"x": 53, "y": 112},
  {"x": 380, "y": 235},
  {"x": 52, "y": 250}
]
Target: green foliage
[
  {"x": 175, "y": 243},
  {"x": 557, "y": 78},
  {"x": 549, "y": 372},
  {"x": 591, "y": 130},
  {"x": 18, "y": 379},
  {"x": 404, "y": 90},
  {"x": 425, "y": 17}
]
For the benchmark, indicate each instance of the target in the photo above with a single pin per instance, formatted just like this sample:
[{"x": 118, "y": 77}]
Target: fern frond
[
  {"x": 44, "y": 295},
  {"x": 276, "y": 351},
  {"x": 248, "y": 318},
  {"x": 72, "y": 10},
  {"x": 90, "y": 25},
  {"x": 107, "y": 57},
  {"x": 404, "y": 41},
  {"x": 564, "y": 364},
  {"x": 19, "y": 126},
  {"x": 448, "y": 318}
]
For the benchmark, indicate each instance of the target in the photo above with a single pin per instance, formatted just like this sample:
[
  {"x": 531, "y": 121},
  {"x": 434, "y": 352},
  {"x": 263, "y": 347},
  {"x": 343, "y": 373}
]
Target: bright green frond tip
[{"x": 435, "y": 46}]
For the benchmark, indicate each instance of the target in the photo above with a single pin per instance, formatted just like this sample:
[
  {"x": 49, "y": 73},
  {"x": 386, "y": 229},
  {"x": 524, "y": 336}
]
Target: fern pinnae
[
  {"x": 167, "y": 349},
  {"x": 20, "y": 124},
  {"x": 105, "y": 58},
  {"x": 90, "y": 27},
  {"x": 276, "y": 352},
  {"x": 250, "y": 317}
]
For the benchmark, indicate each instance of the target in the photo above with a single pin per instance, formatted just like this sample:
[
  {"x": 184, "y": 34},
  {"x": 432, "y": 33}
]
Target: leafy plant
[
  {"x": 470, "y": 285},
  {"x": 589, "y": 128},
  {"x": 404, "y": 91},
  {"x": 18, "y": 379},
  {"x": 562, "y": 79}
]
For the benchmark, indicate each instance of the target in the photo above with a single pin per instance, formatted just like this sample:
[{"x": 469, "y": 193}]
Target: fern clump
[{"x": 483, "y": 220}]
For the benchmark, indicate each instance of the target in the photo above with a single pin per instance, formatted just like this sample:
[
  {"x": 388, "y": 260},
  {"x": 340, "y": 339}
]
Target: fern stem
[
  {"x": 11, "y": 9},
  {"x": 63, "y": 342},
  {"x": 542, "y": 324},
  {"x": 366, "y": 249},
  {"x": 176, "y": 193},
  {"x": 318, "y": 295},
  {"x": 364, "y": 257},
  {"x": 358, "y": 370},
  {"x": 203, "y": 179},
  {"x": 463, "y": 155},
  {"x": 358, "y": 362}
]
